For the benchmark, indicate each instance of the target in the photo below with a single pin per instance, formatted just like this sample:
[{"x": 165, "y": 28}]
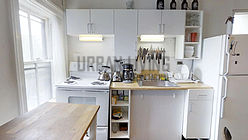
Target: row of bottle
[{"x": 173, "y": 5}]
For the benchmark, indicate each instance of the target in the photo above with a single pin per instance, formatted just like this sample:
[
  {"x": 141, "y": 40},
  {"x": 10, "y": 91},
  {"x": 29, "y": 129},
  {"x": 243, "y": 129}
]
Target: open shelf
[
  {"x": 121, "y": 103},
  {"x": 124, "y": 119},
  {"x": 190, "y": 58},
  {"x": 191, "y": 43},
  {"x": 120, "y": 106},
  {"x": 120, "y": 134},
  {"x": 192, "y": 27}
]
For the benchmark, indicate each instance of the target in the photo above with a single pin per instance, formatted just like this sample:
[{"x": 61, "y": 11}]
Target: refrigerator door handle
[
  {"x": 224, "y": 97},
  {"x": 227, "y": 60}
]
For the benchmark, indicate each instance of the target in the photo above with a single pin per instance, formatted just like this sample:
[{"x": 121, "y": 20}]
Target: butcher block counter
[
  {"x": 52, "y": 121},
  {"x": 135, "y": 86}
]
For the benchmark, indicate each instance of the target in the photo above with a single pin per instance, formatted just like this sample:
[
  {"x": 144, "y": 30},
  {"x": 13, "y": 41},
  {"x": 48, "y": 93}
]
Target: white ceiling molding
[{"x": 45, "y": 5}]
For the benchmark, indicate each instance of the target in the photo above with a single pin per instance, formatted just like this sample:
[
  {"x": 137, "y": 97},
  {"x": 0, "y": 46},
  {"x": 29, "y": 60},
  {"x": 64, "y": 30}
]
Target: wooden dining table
[{"x": 53, "y": 121}]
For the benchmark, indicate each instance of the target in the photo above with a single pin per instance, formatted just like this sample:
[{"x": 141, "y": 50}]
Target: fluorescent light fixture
[
  {"x": 91, "y": 38},
  {"x": 152, "y": 38}
]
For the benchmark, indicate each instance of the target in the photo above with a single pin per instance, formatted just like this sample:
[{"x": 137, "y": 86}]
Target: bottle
[
  {"x": 173, "y": 4},
  {"x": 160, "y": 4},
  {"x": 195, "y": 5},
  {"x": 184, "y": 5}
]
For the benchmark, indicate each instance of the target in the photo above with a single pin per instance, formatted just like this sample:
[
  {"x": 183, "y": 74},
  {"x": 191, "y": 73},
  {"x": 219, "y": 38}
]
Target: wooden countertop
[
  {"x": 135, "y": 86},
  {"x": 51, "y": 121}
]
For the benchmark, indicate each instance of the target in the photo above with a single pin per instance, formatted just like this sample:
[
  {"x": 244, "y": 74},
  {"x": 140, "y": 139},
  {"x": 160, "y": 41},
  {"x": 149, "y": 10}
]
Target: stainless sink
[{"x": 157, "y": 83}]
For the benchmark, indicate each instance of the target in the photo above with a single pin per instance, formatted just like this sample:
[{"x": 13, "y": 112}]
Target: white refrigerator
[{"x": 224, "y": 65}]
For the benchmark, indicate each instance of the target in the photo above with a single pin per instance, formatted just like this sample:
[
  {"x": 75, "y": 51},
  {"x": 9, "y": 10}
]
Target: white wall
[
  {"x": 103, "y": 49},
  {"x": 8, "y": 82},
  {"x": 215, "y": 11}
]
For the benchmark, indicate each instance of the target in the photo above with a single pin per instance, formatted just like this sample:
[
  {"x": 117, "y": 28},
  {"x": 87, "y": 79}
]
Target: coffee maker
[{"x": 128, "y": 74}]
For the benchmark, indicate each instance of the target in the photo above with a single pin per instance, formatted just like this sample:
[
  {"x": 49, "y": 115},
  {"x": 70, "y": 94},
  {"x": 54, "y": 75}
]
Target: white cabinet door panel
[
  {"x": 149, "y": 22},
  {"x": 102, "y": 21},
  {"x": 77, "y": 21},
  {"x": 173, "y": 22},
  {"x": 102, "y": 133},
  {"x": 199, "y": 122},
  {"x": 125, "y": 33},
  {"x": 198, "y": 114}
]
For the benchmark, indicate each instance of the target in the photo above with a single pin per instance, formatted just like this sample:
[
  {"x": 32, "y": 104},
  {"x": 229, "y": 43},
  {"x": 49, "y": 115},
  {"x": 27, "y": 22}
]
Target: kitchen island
[
  {"x": 161, "y": 112},
  {"x": 53, "y": 121}
]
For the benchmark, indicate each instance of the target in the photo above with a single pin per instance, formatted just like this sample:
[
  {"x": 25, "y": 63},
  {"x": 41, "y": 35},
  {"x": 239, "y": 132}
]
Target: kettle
[{"x": 103, "y": 75}]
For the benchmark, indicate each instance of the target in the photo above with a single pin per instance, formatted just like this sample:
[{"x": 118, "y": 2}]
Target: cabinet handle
[
  {"x": 88, "y": 28},
  {"x": 190, "y": 107},
  {"x": 96, "y": 91},
  {"x": 163, "y": 28},
  {"x": 203, "y": 95},
  {"x": 160, "y": 28},
  {"x": 92, "y": 29}
]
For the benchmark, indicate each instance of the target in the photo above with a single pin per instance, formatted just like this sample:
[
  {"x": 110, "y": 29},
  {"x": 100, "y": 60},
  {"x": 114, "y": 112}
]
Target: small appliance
[
  {"x": 128, "y": 74},
  {"x": 103, "y": 74},
  {"x": 117, "y": 73}
]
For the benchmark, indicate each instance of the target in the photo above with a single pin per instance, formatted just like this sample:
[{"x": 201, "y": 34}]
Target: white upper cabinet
[
  {"x": 173, "y": 22},
  {"x": 77, "y": 21},
  {"x": 149, "y": 22},
  {"x": 85, "y": 21},
  {"x": 102, "y": 21},
  {"x": 125, "y": 33},
  {"x": 168, "y": 22}
]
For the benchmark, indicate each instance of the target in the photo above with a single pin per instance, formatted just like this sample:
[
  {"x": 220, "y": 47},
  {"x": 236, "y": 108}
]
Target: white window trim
[
  {"x": 47, "y": 37},
  {"x": 14, "y": 10},
  {"x": 34, "y": 61}
]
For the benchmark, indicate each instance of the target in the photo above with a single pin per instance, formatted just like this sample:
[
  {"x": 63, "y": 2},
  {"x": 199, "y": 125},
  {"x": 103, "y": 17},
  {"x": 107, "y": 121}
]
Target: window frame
[
  {"x": 46, "y": 34},
  {"x": 48, "y": 49}
]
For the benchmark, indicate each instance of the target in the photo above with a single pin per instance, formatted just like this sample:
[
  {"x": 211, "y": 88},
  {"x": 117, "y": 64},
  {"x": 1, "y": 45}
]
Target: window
[
  {"x": 37, "y": 65},
  {"x": 240, "y": 23}
]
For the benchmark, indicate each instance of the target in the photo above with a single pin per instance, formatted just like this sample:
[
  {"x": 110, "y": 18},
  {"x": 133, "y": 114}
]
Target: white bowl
[
  {"x": 189, "y": 47},
  {"x": 188, "y": 53}
]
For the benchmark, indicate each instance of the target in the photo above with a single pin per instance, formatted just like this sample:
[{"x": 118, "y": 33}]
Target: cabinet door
[
  {"x": 149, "y": 22},
  {"x": 199, "y": 119},
  {"x": 125, "y": 33},
  {"x": 102, "y": 21},
  {"x": 77, "y": 21},
  {"x": 198, "y": 113},
  {"x": 173, "y": 22}
]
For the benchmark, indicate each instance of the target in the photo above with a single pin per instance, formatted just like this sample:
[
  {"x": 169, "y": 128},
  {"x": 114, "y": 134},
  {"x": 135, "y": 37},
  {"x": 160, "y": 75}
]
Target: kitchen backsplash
[
  {"x": 104, "y": 51},
  {"x": 90, "y": 49}
]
